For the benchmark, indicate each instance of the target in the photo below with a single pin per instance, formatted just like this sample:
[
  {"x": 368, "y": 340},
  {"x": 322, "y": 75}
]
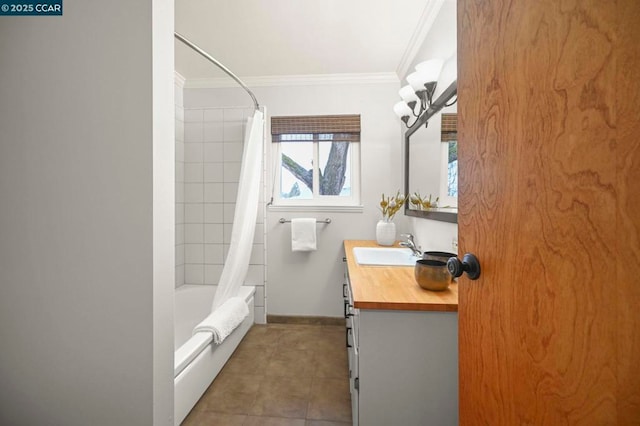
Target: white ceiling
[{"x": 256, "y": 38}]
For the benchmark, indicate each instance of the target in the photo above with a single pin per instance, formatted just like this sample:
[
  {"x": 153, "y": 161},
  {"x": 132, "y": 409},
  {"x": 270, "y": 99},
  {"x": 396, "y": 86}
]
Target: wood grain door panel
[
  {"x": 548, "y": 182},
  {"x": 628, "y": 214}
]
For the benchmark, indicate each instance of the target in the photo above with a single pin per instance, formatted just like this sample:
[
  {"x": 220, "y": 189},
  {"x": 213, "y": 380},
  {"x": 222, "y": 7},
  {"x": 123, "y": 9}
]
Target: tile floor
[{"x": 281, "y": 375}]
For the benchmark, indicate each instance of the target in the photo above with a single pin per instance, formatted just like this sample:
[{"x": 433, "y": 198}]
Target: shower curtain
[{"x": 236, "y": 264}]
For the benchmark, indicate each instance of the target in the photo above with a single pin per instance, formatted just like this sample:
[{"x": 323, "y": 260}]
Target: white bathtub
[{"x": 197, "y": 360}]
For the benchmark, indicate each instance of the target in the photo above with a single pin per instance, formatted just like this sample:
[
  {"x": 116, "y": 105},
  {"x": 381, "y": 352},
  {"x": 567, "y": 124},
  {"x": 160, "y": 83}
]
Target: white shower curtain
[{"x": 236, "y": 264}]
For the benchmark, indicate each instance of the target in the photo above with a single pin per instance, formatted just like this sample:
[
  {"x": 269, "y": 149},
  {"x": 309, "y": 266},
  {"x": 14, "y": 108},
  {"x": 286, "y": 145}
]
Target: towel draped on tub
[{"x": 224, "y": 319}]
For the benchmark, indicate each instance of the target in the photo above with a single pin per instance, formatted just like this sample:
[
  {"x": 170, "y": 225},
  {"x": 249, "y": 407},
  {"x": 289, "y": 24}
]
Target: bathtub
[{"x": 197, "y": 360}]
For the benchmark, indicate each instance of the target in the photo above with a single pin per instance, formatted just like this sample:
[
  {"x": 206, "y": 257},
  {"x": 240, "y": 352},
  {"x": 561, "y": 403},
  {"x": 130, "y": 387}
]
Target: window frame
[{"x": 318, "y": 200}]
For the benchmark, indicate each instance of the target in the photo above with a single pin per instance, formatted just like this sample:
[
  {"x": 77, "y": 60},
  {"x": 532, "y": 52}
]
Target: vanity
[{"x": 402, "y": 343}]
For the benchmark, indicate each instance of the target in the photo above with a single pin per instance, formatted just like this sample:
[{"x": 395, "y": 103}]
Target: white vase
[{"x": 385, "y": 233}]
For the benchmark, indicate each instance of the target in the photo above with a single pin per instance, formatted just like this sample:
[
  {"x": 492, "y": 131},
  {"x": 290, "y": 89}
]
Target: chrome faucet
[{"x": 410, "y": 244}]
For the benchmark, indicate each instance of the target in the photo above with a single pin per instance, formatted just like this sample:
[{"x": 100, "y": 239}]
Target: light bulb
[
  {"x": 402, "y": 110},
  {"x": 408, "y": 94},
  {"x": 417, "y": 81},
  {"x": 448, "y": 75},
  {"x": 430, "y": 69}
]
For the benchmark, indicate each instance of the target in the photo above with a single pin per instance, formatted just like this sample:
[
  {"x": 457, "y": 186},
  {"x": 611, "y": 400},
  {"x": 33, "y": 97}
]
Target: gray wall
[{"x": 85, "y": 307}]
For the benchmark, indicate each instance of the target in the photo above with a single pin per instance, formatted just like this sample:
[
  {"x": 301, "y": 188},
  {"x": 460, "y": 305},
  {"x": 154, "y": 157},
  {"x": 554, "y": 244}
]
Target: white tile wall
[
  {"x": 259, "y": 296},
  {"x": 193, "y": 115},
  {"x": 193, "y": 152},
  {"x": 193, "y": 192},
  {"x": 232, "y": 151},
  {"x": 212, "y": 273},
  {"x": 214, "y": 254},
  {"x": 179, "y": 275},
  {"x": 211, "y": 160},
  {"x": 193, "y": 233},
  {"x": 194, "y": 274},
  {"x": 214, "y": 115},
  {"x": 213, "y": 213},
  {"x": 213, "y": 233},
  {"x": 213, "y": 173},
  {"x": 255, "y": 276},
  {"x": 180, "y": 179},
  {"x": 179, "y": 213},
  {"x": 193, "y": 132},
  {"x": 180, "y": 192},
  {"x": 213, "y": 132},
  {"x": 230, "y": 192},
  {"x": 180, "y": 158},
  {"x": 213, "y": 152},
  {"x": 193, "y": 172},
  {"x": 233, "y": 131},
  {"x": 214, "y": 192},
  {"x": 194, "y": 253},
  {"x": 259, "y": 312},
  {"x": 226, "y": 230},
  {"x": 228, "y": 210},
  {"x": 180, "y": 233},
  {"x": 258, "y": 237},
  {"x": 194, "y": 213},
  {"x": 231, "y": 171},
  {"x": 257, "y": 255}
]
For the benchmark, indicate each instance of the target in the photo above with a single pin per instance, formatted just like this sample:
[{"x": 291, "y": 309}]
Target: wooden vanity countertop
[{"x": 393, "y": 287}]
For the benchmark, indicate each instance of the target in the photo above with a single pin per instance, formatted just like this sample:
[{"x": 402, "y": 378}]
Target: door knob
[{"x": 469, "y": 264}]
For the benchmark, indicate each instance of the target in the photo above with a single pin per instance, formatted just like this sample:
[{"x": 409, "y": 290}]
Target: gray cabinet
[
  {"x": 403, "y": 365},
  {"x": 351, "y": 339}
]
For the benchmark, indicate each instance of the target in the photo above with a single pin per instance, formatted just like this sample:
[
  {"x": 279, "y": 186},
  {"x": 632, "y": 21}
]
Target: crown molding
[
  {"x": 425, "y": 23},
  {"x": 295, "y": 80},
  {"x": 179, "y": 79}
]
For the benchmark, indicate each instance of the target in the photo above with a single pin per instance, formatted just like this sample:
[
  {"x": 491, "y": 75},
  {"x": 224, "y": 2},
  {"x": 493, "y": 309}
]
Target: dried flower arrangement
[{"x": 391, "y": 205}]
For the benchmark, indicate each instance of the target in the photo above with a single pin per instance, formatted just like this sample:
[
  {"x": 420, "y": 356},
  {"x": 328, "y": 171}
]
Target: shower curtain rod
[{"x": 219, "y": 65}]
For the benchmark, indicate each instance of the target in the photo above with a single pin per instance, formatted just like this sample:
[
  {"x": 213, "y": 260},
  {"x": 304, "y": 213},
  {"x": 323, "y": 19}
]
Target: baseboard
[{"x": 307, "y": 320}]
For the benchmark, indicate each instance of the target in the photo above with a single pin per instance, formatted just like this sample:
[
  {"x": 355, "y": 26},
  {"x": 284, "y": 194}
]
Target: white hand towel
[
  {"x": 303, "y": 234},
  {"x": 224, "y": 319}
]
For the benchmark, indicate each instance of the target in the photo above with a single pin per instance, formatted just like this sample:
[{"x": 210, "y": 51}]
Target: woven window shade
[
  {"x": 316, "y": 128},
  {"x": 449, "y": 129}
]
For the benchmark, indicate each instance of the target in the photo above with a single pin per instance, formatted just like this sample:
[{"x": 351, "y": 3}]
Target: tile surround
[
  {"x": 179, "y": 188},
  {"x": 211, "y": 155}
]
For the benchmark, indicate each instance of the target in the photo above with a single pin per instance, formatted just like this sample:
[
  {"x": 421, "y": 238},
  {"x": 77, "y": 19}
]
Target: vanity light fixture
[{"x": 417, "y": 96}]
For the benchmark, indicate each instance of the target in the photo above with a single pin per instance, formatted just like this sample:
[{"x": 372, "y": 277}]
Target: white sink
[{"x": 384, "y": 256}]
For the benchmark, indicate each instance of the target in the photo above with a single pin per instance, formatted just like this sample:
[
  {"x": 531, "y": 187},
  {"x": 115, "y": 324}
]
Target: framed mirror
[{"x": 431, "y": 166}]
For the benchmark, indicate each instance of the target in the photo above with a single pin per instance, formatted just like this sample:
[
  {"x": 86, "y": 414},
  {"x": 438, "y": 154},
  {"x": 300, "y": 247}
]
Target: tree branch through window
[{"x": 332, "y": 178}]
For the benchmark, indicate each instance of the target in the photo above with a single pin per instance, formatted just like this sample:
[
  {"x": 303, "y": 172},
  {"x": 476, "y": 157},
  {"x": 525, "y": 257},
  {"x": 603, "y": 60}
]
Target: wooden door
[{"x": 549, "y": 193}]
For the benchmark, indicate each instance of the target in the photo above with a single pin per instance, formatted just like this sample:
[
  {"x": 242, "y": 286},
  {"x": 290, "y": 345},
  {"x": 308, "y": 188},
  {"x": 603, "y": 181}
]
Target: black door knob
[{"x": 469, "y": 264}]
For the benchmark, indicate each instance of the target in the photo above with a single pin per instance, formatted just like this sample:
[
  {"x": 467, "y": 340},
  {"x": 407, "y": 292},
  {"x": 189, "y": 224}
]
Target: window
[{"x": 318, "y": 160}]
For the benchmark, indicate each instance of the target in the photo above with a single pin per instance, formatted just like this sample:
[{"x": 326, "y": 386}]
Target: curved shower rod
[{"x": 219, "y": 65}]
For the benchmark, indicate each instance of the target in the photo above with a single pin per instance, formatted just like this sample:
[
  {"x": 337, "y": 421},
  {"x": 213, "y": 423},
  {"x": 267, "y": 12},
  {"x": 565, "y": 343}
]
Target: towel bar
[{"x": 283, "y": 220}]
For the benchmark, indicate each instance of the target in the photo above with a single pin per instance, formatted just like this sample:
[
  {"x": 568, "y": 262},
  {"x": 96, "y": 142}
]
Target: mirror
[{"x": 431, "y": 166}]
